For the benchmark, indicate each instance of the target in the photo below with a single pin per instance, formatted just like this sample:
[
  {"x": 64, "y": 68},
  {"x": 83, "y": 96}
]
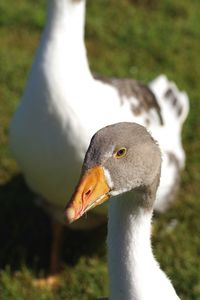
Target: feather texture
[{"x": 63, "y": 105}]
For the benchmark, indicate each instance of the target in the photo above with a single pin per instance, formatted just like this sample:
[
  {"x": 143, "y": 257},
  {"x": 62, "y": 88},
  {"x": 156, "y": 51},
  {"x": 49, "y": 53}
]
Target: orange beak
[{"x": 91, "y": 191}]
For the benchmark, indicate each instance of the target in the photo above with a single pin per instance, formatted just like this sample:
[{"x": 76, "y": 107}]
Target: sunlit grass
[{"x": 139, "y": 39}]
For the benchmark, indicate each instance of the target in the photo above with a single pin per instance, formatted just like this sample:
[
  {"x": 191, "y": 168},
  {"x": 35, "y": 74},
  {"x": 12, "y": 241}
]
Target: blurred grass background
[{"x": 139, "y": 39}]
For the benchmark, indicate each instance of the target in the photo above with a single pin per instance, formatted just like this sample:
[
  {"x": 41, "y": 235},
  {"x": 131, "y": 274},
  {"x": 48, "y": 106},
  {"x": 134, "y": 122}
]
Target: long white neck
[
  {"x": 133, "y": 271},
  {"x": 62, "y": 47},
  {"x": 67, "y": 16}
]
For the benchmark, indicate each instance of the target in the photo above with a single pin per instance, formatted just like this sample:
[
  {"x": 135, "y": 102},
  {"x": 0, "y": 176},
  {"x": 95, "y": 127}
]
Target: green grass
[{"x": 126, "y": 38}]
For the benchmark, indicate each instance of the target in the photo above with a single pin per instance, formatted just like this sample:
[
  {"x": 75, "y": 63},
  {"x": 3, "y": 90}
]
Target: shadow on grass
[{"x": 25, "y": 232}]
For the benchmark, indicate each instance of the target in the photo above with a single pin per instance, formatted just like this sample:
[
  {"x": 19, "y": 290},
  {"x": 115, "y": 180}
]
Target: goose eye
[{"x": 120, "y": 153}]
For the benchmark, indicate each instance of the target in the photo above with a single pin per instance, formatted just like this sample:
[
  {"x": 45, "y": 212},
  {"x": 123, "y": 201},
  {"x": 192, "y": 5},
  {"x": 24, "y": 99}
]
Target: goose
[
  {"x": 63, "y": 105},
  {"x": 124, "y": 158}
]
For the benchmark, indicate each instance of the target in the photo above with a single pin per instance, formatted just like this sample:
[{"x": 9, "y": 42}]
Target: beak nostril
[{"x": 87, "y": 193}]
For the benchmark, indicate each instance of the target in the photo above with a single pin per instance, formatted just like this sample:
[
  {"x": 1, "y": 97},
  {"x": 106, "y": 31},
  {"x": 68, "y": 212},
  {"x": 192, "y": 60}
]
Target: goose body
[
  {"x": 63, "y": 105},
  {"x": 124, "y": 159}
]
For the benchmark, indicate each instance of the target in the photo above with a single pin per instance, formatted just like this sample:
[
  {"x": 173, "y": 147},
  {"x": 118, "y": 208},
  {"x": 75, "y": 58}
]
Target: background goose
[
  {"x": 63, "y": 105},
  {"x": 124, "y": 158}
]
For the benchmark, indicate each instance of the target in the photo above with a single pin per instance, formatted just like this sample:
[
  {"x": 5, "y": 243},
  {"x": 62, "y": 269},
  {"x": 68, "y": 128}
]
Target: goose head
[{"x": 121, "y": 157}]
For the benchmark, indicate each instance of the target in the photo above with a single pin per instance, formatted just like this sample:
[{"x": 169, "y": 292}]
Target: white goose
[
  {"x": 124, "y": 158},
  {"x": 63, "y": 105}
]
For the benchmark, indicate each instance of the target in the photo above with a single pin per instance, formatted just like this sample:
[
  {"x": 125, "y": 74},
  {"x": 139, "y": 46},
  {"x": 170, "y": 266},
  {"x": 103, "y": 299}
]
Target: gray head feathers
[{"x": 129, "y": 155}]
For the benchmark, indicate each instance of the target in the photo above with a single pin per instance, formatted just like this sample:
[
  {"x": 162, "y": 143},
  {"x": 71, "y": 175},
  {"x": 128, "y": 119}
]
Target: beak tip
[{"x": 70, "y": 214}]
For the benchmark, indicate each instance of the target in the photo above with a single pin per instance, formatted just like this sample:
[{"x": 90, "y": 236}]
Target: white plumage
[
  {"x": 63, "y": 105},
  {"x": 133, "y": 269}
]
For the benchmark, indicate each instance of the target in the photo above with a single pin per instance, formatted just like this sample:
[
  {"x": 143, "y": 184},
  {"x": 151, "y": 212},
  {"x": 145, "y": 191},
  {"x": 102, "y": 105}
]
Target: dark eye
[{"x": 120, "y": 152}]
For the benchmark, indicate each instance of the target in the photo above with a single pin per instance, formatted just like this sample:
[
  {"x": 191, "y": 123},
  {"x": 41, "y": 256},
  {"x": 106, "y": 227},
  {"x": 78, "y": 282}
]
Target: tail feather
[{"x": 171, "y": 100}]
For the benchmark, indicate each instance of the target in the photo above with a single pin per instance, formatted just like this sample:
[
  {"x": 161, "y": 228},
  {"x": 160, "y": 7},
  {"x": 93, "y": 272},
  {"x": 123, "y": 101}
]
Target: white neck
[
  {"x": 67, "y": 13},
  {"x": 133, "y": 271},
  {"x": 62, "y": 42}
]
